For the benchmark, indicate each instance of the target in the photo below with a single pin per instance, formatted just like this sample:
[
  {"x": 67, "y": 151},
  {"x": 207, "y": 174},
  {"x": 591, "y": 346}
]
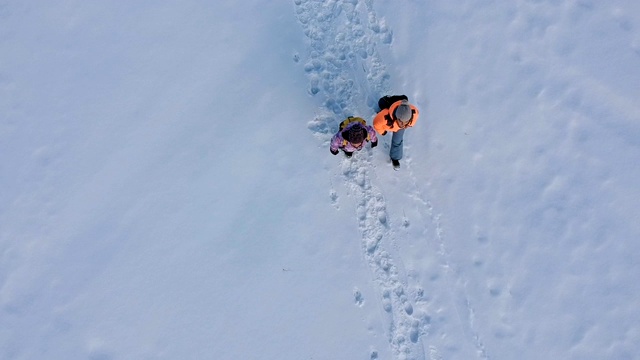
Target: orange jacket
[{"x": 384, "y": 120}]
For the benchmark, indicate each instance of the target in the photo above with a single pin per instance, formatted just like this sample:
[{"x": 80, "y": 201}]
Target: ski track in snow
[
  {"x": 344, "y": 66},
  {"x": 454, "y": 280}
]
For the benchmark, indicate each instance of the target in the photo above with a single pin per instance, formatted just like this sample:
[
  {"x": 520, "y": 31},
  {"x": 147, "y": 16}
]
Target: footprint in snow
[
  {"x": 333, "y": 195},
  {"x": 359, "y": 299}
]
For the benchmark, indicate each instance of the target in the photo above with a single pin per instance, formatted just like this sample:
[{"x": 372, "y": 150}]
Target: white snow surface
[{"x": 167, "y": 191}]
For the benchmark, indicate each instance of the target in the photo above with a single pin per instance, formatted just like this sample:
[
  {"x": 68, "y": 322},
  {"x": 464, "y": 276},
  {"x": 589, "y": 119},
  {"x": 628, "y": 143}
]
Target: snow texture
[{"x": 167, "y": 191}]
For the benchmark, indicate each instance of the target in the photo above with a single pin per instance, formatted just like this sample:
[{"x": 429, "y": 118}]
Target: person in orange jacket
[{"x": 396, "y": 114}]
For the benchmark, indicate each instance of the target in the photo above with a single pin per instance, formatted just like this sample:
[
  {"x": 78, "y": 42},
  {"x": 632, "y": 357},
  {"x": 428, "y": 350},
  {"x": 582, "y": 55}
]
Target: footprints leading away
[
  {"x": 406, "y": 322},
  {"x": 343, "y": 63},
  {"x": 345, "y": 68}
]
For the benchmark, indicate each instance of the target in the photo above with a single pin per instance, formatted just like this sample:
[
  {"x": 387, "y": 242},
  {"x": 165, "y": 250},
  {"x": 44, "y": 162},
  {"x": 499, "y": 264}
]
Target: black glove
[
  {"x": 374, "y": 144},
  {"x": 334, "y": 152},
  {"x": 384, "y": 133}
]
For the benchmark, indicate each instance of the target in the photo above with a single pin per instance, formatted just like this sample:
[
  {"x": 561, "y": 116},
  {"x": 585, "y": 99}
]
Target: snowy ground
[{"x": 167, "y": 190}]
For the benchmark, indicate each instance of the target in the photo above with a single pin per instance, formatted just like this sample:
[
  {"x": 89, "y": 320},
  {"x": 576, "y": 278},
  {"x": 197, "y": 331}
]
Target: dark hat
[{"x": 357, "y": 134}]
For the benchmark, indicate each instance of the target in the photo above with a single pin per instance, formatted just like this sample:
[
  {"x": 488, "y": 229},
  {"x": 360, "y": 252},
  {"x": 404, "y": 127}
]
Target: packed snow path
[{"x": 346, "y": 69}]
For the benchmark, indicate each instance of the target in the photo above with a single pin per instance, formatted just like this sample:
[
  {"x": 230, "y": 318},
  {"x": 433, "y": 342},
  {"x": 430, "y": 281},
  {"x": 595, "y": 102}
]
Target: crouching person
[{"x": 352, "y": 136}]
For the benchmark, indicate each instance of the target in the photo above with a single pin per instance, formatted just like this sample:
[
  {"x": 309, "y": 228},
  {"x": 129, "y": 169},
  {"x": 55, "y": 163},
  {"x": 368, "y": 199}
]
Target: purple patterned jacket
[{"x": 338, "y": 142}]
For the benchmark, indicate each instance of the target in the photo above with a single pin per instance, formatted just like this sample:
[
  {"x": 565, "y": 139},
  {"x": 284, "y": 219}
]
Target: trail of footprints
[
  {"x": 406, "y": 324},
  {"x": 345, "y": 67}
]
